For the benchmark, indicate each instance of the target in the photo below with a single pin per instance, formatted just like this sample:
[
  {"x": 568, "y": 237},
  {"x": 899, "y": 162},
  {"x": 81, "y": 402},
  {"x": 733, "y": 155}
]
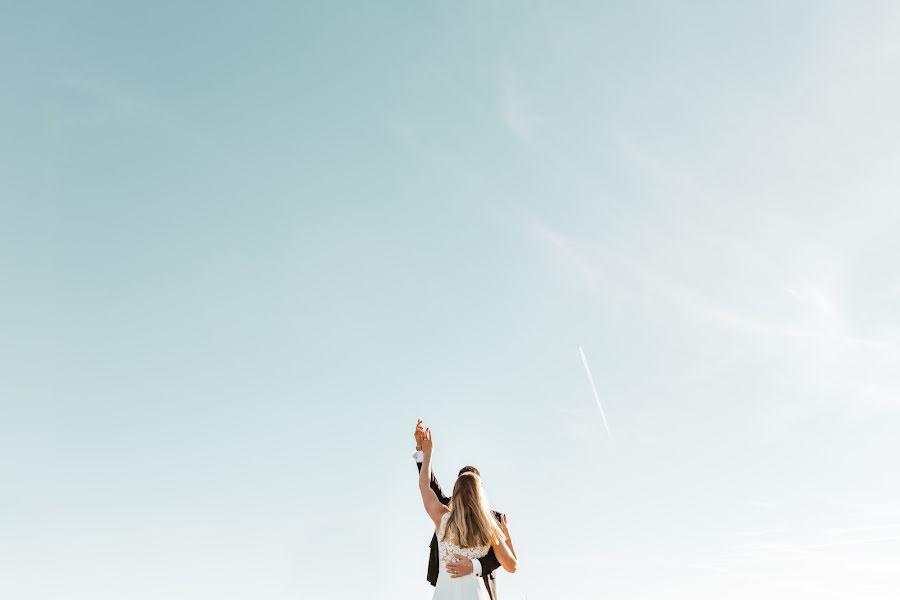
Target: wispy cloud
[
  {"x": 110, "y": 99},
  {"x": 820, "y": 353},
  {"x": 760, "y": 532},
  {"x": 516, "y": 111},
  {"x": 765, "y": 505},
  {"x": 865, "y": 528}
]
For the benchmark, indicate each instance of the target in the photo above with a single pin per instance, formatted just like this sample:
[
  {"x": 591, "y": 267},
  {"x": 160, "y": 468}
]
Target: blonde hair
[{"x": 471, "y": 523}]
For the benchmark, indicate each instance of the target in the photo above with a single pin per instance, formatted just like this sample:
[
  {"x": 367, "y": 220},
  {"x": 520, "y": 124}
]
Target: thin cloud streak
[{"x": 587, "y": 370}]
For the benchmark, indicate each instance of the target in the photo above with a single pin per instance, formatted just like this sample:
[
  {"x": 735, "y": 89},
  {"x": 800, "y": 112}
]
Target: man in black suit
[{"x": 461, "y": 567}]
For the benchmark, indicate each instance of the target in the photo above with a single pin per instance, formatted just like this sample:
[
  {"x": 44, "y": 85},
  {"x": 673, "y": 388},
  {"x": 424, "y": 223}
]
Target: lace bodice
[{"x": 446, "y": 549}]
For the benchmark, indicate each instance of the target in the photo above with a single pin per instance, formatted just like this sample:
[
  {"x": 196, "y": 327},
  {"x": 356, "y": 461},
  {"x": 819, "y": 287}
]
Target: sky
[{"x": 243, "y": 248}]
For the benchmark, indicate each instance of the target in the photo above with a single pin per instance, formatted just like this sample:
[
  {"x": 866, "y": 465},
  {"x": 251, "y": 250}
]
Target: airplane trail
[{"x": 587, "y": 369}]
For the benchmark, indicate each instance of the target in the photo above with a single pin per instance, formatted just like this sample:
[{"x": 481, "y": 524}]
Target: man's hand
[
  {"x": 460, "y": 566},
  {"x": 419, "y": 434}
]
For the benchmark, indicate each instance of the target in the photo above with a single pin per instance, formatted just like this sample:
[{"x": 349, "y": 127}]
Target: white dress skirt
[{"x": 470, "y": 587}]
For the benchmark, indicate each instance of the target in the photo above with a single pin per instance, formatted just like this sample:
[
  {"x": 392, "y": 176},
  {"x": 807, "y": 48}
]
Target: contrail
[{"x": 594, "y": 388}]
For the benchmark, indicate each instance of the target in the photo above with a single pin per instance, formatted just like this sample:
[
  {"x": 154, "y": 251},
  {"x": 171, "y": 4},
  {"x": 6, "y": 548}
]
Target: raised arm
[
  {"x": 433, "y": 506},
  {"x": 436, "y": 487},
  {"x": 441, "y": 496}
]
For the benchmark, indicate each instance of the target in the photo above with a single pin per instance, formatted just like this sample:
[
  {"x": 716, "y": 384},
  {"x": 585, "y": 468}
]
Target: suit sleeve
[
  {"x": 436, "y": 487},
  {"x": 489, "y": 563}
]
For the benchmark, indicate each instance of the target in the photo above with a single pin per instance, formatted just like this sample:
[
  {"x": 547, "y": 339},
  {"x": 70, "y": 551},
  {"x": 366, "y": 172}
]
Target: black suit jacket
[{"x": 489, "y": 562}]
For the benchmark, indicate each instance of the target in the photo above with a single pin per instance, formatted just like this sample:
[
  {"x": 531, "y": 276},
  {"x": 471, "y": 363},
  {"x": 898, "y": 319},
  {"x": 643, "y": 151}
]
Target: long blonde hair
[{"x": 471, "y": 523}]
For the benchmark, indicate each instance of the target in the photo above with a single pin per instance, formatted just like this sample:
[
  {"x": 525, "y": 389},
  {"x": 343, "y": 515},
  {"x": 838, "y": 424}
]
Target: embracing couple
[{"x": 470, "y": 541}]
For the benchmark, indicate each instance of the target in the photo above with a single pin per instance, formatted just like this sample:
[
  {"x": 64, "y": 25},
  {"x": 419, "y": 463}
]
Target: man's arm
[{"x": 489, "y": 562}]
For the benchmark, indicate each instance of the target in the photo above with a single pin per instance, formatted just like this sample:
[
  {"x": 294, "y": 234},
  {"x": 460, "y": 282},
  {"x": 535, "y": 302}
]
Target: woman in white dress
[{"x": 465, "y": 528}]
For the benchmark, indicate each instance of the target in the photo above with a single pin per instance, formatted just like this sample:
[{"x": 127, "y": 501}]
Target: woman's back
[
  {"x": 468, "y": 587},
  {"x": 446, "y": 548}
]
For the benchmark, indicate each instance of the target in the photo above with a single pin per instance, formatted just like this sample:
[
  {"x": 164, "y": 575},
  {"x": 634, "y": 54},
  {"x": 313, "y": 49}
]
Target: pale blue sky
[{"x": 243, "y": 249}]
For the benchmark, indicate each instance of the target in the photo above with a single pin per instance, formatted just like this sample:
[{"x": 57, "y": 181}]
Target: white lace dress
[{"x": 469, "y": 587}]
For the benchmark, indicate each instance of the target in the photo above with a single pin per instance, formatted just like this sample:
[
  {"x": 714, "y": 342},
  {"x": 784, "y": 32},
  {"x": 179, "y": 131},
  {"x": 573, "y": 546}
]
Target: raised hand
[
  {"x": 427, "y": 442},
  {"x": 419, "y": 434}
]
